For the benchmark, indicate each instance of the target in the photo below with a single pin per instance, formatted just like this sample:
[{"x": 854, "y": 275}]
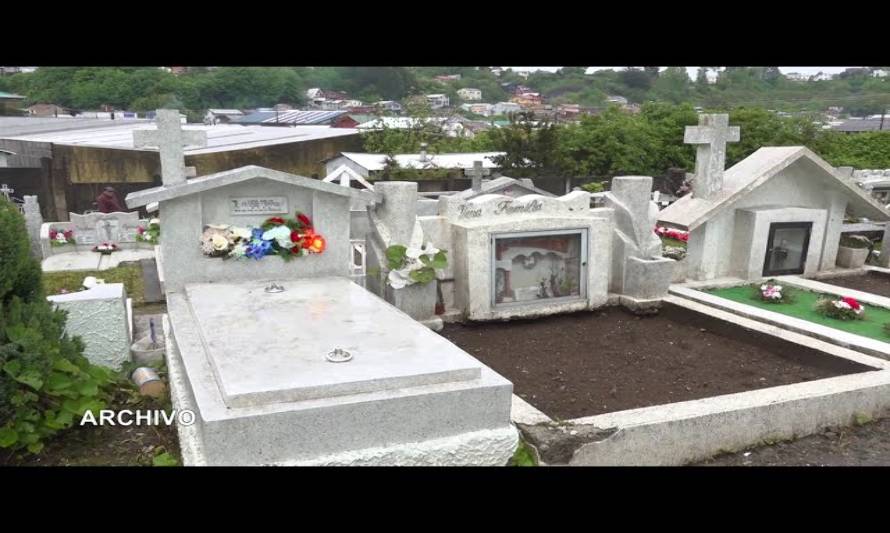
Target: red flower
[
  {"x": 317, "y": 244},
  {"x": 295, "y": 236},
  {"x": 275, "y": 220},
  {"x": 296, "y": 249},
  {"x": 304, "y": 220},
  {"x": 851, "y": 302},
  {"x": 68, "y": 233},
  {"x": 140, "y": 230},
  {"x": 53, "y": 234}
]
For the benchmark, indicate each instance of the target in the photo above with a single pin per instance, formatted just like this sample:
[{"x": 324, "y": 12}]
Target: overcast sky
[{"x": 694, "y": 70}]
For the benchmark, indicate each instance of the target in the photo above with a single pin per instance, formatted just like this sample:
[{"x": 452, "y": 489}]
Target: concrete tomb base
[{"x": 253, "y": 367}]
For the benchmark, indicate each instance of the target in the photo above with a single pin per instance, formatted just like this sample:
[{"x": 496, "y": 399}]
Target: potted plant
[
  {"x": 411, "y": 282},
  {"x": 853, "y": 251}
]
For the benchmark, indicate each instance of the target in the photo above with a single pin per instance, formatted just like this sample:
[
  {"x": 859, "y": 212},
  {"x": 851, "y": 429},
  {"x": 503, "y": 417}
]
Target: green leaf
[
  {"x": 65, "y": 365},
  {"x": 8, "y": 437},
  {"x": 88, "y": 388},
  {"x": 423, "y": 275},
  {"x": 440, "y": 260},
  {"x": 13, "y": 367},
  {"x": 58, "y": 381},
  {"x": 395, "y": 256},
  {"x": 35, "y": 447},
  {"x": 164, "y": 459},
  {"x": 30, "y": 378}
]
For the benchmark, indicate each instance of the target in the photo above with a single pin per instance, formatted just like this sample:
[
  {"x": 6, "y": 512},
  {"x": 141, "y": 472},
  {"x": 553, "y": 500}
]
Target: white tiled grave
[{"x": 265, "y": 394}]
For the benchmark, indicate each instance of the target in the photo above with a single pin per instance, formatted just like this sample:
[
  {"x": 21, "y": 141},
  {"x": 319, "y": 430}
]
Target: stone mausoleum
[{"x": 779, "y": 211}]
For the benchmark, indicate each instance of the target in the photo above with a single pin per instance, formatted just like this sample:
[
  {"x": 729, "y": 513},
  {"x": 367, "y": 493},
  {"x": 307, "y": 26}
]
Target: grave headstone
[
  {"x": 100, "y": 316},
  {"x": 710, "y": 138},
  {"x": 96, "y": 228},
  {"x": 33, "y": 221},
  {"x": 170, "y": 138}
]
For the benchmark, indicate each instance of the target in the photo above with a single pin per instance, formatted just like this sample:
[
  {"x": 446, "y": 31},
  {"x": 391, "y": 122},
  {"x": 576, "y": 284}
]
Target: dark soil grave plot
[
  {"x": 589, "y": 363},
  {"x": 871, "y": 282}
]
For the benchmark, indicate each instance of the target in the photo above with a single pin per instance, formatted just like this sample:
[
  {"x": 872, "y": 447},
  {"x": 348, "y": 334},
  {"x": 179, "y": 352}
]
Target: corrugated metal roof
[
  {"x": 862, "y": 125},
  {"x": 446, "y": 161},
  {"x": 295, "y": 117},
  {"x": 220, "y": 138}
]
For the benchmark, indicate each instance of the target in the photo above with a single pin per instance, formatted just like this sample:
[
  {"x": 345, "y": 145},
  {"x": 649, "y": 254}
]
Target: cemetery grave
[
  {"x": 804, "y": 307},
  {"x": 294, "y": 351},
  {"x": 584, "y": 364}
]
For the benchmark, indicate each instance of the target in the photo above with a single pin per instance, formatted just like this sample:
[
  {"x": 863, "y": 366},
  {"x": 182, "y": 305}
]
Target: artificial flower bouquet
[
  {"x": 773, "y": 293},
  {"x": 106, "y": 248},
  {"x": 669, "y": 233},
  {"x": 61, "y": 238},
  {"x": 413, "y": 265},
  {"x": 287, "y": 238},
  {"x": 150, "y": 234},
  {"x": 845, "y": 308}
]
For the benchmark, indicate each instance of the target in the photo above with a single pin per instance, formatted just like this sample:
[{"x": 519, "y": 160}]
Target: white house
[
  {"x": 503, "y": 108},
  {"x": 779, "y": 211},
  {"x": 478, "y": 109},
  {"x": 438, "y": 101},
  {"x": 468, "y": 94},
  {"x": 389, "y": 105},
  {"x": 314, "y": 93},
  {"x": 822, "y": 76}
]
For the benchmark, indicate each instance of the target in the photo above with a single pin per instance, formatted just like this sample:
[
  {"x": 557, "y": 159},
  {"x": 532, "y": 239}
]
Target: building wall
[{"x": 73, "y": 176}]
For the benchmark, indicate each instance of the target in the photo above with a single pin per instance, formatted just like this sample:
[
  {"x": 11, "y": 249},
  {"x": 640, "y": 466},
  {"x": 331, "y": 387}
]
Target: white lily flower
[
  {"x": 430, "y": 250},
  {"x": 277, "y": 233},
  {"x": 414, "y": 253},
  {"x": 397, "y": 280}
]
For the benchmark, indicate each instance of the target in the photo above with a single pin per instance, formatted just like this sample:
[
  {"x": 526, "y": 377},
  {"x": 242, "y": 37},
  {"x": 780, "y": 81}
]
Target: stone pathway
[{"x": 864, "y": 445}]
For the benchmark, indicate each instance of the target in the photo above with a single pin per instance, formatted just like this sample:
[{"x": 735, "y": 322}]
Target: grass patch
[
  {"x": 667, "y": 241},
  {"x": 804, "y": 307},
  {"x": 128, "y": 274},
  {"x": 524, "y": 456}
]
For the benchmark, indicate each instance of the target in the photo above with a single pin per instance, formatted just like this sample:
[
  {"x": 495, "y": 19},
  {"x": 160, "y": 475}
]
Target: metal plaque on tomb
[{"x": 258, "y": 205}]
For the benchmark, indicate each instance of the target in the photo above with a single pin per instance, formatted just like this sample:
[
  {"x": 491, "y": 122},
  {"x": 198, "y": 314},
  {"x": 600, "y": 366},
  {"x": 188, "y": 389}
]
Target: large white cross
[
  {"x": 170, "y": 139},
  {"x": 476, "y": 174},
  {"x": 710, "y": 138}
]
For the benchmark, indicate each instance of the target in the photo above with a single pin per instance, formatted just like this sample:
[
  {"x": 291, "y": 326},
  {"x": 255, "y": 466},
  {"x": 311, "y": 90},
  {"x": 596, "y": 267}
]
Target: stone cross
[
  {"x": 476, "y": 173},
  {"x": 6, "y": 191},
  {"x": 710, "y": 138},
  {"x": 170, "y": 139}
]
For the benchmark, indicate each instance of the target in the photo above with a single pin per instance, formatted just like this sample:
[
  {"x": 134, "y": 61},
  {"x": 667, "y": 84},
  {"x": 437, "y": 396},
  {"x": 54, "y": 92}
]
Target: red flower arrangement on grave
[
  {"x": 284, "y": 237},
  {"x": 846, "y": 308},
  {"x": 670, "y": 233},
  {"x": 61, "y": 238},
  {"x": 105, "y": 248}
]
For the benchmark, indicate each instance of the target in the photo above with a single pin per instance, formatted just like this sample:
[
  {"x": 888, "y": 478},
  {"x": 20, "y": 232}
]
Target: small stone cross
[
  {"x": 6, "y": 191},
  {"x": 710, "y": 138},
  {"x": 476, "y": 174},
  {"x": 170, "y": 139}
]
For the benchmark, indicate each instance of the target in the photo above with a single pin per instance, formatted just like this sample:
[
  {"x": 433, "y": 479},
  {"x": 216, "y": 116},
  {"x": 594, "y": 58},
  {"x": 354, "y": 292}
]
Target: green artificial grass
[
  {"x": 667, "y": 241},
  {"x": 803, "y": 307}
]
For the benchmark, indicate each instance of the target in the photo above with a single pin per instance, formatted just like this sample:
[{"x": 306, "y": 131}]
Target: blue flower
[{"x": 258, "y": 248}]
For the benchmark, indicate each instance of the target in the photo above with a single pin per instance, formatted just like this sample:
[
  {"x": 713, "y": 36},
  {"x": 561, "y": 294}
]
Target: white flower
[
  {"x": 764, "y": 287},
  {"x": 399, "y": 279},
  {"x": 146, "y": 236},
  {"x": 240, "y": 232},
  {"x": 430, "y": 250},
  {"x": 89, "y": 282},
  {"x": 219, "y": 242},
  {"x": 777, "y": 287},
  {"x": 776, "y": 296},
  {"x": 238, "y": 251},
  {"x": 61, "y": 237},
  {"x": 154, "y": 221},
  {"x": 414, "y": 253},
  {"x": 840, "y": 304}
]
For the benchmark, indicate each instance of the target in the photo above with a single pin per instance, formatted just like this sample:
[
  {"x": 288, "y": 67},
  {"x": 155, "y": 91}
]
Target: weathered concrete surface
[
  {"x": 346, "y": 425},
  {"x": 99, "y": 316}
]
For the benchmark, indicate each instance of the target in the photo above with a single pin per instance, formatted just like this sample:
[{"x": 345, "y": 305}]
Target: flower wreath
[{"x": 285, "y": 237}]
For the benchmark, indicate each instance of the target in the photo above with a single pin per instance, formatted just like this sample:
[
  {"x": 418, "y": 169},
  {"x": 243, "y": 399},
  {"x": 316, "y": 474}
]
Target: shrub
[
  {"x": 45, "y": 381},
  {"x": 19, "y": 272},
  {"x": 593, "y": 186},
  {"x": 845, "y": 308}
]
